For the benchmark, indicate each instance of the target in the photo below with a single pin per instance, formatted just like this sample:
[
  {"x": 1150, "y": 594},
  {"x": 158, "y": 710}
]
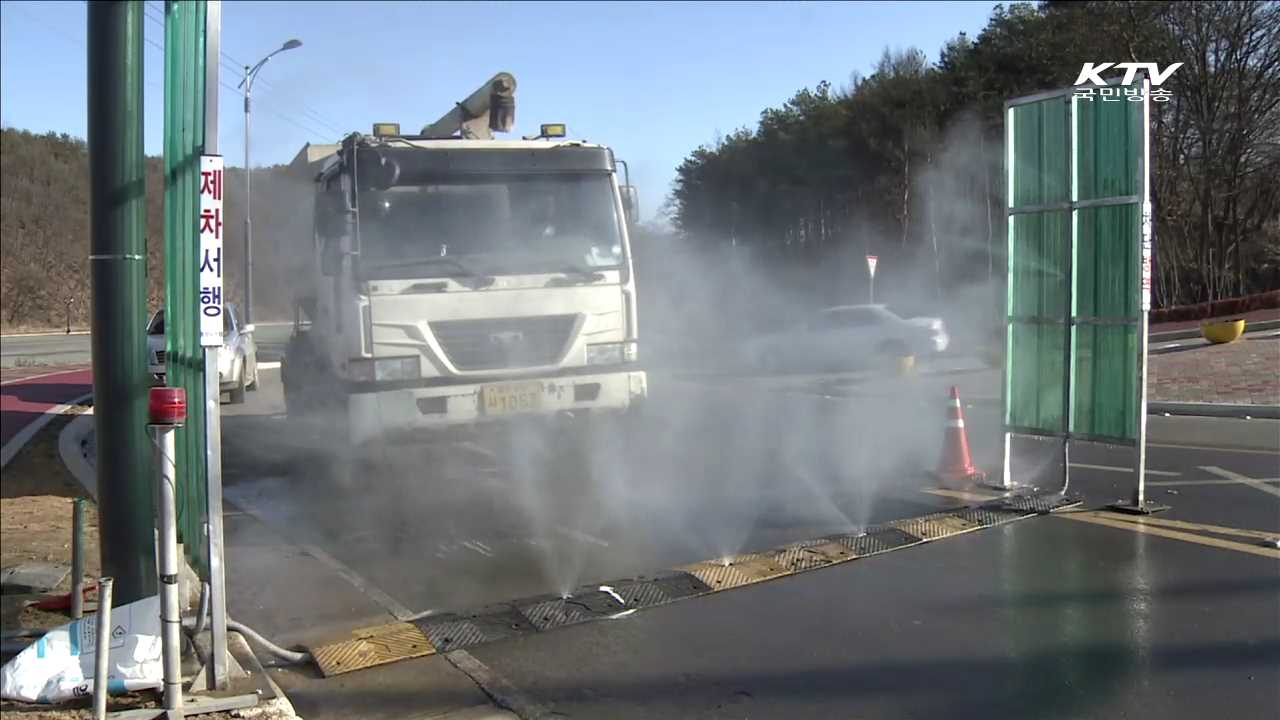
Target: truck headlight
[
  {"x": 386, "y": 369},
  {"x": 611, "y": 353}
]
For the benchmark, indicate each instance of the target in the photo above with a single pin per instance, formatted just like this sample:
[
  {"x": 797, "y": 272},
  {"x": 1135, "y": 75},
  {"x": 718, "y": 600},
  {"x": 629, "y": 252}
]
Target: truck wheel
[{"x": 237, "y": 392}]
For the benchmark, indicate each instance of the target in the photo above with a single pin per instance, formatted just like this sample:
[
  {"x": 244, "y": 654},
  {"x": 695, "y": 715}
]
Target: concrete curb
[
  {"x": 1156, "y": 337},
  {"x": 1221, "y": 410}
]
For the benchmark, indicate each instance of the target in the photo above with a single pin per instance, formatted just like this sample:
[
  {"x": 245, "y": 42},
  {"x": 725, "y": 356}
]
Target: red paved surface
[
  {"x": 1255, "y": 316},
  {"x": 1246, "y": 371},
  {"x": 24, "y": 400}
]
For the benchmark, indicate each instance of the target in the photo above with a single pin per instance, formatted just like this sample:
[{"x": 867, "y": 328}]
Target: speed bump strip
[
  {"x": 735, "y": 571},
  {"x": 372, "y": 647},
  {"x": 932, "y": 527},
  {"x": 444, "y": 632}
]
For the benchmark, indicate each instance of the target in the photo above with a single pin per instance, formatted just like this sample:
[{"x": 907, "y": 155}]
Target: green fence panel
[
  {"x": 1038, "y": 269},
  {"x": 184, "y": 53},
  {"x": 1106, "y": 261},
  {"x": 1104, "y": 401},
  {"x": 1034, "y": 391},
  {"x": 1076, "y": 188},
  {"x": 1039, "y": 174},
  {"x": 1108, "y": 149}
]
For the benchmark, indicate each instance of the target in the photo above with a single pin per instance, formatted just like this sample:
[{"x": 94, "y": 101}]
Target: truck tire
[{"x": 237, "y": 392}]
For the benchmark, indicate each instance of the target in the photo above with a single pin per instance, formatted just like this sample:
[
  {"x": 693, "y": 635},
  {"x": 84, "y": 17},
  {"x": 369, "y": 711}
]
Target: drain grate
[
  {"x": 877, "y": 540},
  {"x": 450, "y": 632},
  {"x": 986, "y": 516},
  {"x": 933, "y": 527},
  {"x": 554, "y": 612}
]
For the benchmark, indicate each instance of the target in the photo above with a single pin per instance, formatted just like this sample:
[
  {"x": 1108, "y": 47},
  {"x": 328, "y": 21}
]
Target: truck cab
[{"x": 462, "y": 281}]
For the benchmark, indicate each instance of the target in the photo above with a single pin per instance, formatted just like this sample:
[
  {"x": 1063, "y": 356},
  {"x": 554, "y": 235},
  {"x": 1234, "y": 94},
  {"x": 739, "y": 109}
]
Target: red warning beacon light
[{"x": 167, "y": 406}]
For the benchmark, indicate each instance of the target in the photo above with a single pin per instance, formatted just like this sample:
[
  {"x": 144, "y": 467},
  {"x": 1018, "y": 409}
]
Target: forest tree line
[
  {"x": 44, "y": 233},
  {"x": 907, "y": 162}
]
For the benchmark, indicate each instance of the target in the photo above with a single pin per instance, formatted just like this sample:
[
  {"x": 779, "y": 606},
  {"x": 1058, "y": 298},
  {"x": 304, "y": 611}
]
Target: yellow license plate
[{"x": 511, "y": 398}]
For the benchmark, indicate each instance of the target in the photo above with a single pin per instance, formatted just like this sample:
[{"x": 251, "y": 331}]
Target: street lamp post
[{"x": 247, "y": 83}]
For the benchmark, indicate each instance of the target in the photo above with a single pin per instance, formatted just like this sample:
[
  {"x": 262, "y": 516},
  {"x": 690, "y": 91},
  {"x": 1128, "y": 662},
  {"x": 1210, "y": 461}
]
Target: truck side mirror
[{"x": 631, "y": 204}]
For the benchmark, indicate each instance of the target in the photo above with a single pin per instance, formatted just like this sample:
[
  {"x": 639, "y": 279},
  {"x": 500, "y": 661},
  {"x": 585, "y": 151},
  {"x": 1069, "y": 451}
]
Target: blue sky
[{"x": 652, "y": 80}]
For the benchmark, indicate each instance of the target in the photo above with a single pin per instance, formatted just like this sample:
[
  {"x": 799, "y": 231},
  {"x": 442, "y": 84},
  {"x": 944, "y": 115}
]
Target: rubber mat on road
[
  {"x": 933, "y": 527},
  {"x": 372, "y": 647}
]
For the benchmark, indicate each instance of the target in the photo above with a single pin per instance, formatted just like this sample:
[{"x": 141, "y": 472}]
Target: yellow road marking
[
  {"x": 1251, "y": 451},
  {"x": 1184, "y": 525},
  {"x": 966, "y": 495},
  {"x": 1096, "y": 519},
  {"x": 1243, "y": 480}
]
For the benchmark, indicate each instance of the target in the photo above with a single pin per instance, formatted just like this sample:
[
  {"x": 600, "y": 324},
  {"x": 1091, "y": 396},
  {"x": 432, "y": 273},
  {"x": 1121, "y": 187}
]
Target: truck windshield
[{"x": 491, "y": 224}]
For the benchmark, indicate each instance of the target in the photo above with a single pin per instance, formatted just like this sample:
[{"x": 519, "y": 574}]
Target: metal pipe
[
  {"x": 202, "y": 613},
  {"x": 167, "y": 524},
  {"x": 77, "y": 559},
  {"x": 102, "y": 646}
]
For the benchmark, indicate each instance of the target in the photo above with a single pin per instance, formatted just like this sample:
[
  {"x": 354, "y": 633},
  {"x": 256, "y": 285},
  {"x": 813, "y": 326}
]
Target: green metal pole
[{"x": 117, "y": 216}]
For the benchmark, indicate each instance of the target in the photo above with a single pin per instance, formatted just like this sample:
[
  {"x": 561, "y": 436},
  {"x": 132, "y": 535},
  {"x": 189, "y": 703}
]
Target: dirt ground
[{"x": 36, "y": 498}]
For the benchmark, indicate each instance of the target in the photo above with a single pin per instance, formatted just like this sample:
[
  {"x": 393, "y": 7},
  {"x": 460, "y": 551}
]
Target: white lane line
[
  {"x": 28, "y": 378},
  {"x": 268, "y": 366},
  {"x": 581, "y": 536},
  {"x": 472, "y": 545},
  {"x": 1114, "y": 468},
  {"x": 1250, "y": 451},
  {"x": 1257, "y": 484},
  {"x": 19, "y": 441},
  {"x": 1172, "y": 483}
]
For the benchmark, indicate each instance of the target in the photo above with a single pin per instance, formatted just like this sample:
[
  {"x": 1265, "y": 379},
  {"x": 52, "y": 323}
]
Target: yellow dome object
[{"x": 1223, "y": 331}]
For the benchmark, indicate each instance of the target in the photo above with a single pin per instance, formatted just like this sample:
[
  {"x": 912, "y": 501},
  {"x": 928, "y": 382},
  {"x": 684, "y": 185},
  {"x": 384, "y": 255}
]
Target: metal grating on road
[
  {"x": 373, "y": 647},
  {"x": 1041, "y": 504},
  {"x": 933, "y": 527},
  {"x": 877, "y": 540},
  {"x": 452, "y": 632},
  {"x": 556, "y": 612},
  {"x": 735, "y": 572},
  {"x": 985, "y": 516},
  {"x": 445, "y": 632}
]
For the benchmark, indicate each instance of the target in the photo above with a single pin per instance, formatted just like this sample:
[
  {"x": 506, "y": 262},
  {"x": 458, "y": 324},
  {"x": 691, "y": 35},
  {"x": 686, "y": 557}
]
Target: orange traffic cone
[{"x": 956, "y": 464}]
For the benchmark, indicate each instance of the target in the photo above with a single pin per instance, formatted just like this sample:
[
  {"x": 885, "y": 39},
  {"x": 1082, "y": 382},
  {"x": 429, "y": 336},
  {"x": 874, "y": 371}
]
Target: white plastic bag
[{"x": 59, "y": 666}]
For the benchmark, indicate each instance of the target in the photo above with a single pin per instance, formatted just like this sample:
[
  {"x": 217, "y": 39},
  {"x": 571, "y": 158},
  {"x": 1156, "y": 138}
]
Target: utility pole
[
  {"x": 117, "y": 213},
  {"x": 250, "y": 73}
]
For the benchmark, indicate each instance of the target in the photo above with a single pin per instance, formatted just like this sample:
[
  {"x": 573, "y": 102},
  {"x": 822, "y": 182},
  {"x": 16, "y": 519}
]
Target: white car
[
  {"x": 237, "y": 357},
  {"x": 846, "y": 336}
]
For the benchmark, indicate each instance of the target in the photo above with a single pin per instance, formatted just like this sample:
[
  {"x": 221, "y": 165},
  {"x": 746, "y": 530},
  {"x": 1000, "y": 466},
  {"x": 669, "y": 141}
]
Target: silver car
[
  {"x": 848, "y": 335},
  {"x": 237, "y": 357}
]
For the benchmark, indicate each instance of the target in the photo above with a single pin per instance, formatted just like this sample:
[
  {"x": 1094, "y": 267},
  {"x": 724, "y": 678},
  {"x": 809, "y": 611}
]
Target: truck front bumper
[{"x": 389, "y": 415}]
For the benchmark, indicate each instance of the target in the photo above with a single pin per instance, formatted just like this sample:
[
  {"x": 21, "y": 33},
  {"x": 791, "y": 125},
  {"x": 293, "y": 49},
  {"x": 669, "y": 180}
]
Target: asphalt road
[
  {"x": 973, "y": 627},
  {"x": 717, "y": 466}
]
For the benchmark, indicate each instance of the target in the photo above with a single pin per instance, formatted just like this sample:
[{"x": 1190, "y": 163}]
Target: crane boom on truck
[{"x": 459, "y": 279}]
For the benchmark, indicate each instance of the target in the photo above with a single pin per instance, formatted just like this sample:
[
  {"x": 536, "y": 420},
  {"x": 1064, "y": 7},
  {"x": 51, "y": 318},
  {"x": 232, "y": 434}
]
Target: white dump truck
[{"x": 460, "y": 279}]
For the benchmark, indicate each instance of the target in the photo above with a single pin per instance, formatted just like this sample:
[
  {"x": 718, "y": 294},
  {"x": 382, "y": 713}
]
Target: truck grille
[
  {"x": 504, "y": 342},
  {"x": 160, "y": 357}
]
